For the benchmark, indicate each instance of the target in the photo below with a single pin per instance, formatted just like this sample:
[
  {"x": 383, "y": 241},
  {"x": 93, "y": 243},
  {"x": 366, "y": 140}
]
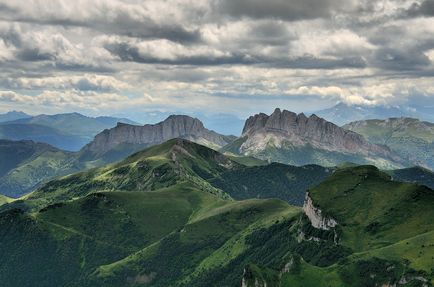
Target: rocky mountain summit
[
  {"x": 175, "y": 126},
  {"x": 300, "y": 129},
  {"x": 297, "y": 139}
]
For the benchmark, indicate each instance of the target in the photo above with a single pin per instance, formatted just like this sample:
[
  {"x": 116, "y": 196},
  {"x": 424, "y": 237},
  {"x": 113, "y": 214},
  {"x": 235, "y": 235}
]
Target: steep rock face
[
  {"x": 174, "y": 126},
  {"x": 283, "y": 129},
  {"x": 317, "y": 219},
  {"x": 317, "y": 131},
  {"x": 250, "y": 280}
]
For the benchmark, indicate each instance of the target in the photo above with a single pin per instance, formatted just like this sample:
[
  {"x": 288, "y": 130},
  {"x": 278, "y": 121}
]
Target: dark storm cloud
[
  {"x": 168, "y": 51},
  {"x": 33, "y": 55},
  {"x": 110, "y": 21},
  {"x": 393, "y": 59},
  {"x": 425, "y": 8},
  {"x": 4, "y": 8},
  {"x": 130, "y": 53},
  {"x": 11, "y": 36},
  {"x": 310, "y": 62},
  {"x": 147, "y": 30},
  {"x": 281, "y": 9}
]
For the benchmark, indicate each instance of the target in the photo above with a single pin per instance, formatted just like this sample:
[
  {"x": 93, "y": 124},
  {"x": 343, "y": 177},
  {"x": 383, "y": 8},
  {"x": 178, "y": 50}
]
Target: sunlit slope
[{"x": 181, "y": 160}]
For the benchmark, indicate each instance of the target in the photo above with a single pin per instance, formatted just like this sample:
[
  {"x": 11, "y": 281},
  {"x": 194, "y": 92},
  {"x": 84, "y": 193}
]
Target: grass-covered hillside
[
  {"x": 288, "y": 153},
  {"x": 25, "y": 164},
  {"x": 408, "y": 137},
  {"x": 271, "y": 181},
  {"x": 415, "y": 174},
  {"x": 387, "y": 225},
  {"x": 177, "y": 160},
  {"x": 158, "y": 218},
  {"x": 5, "y": 199}
]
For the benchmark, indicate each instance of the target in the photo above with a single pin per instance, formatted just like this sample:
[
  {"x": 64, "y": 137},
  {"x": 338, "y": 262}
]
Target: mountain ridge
[
  {"x": 155, "y": 219},
  {"x": 410, "y": 137},
  {"x": 25, "y": 164},
  {"x": 343, "y": 113},
  {"x": 139, "y": 137},
  {"x": 13, "y": 115},
  {"x": 69, "y": 131},
  {"x": 290, "y": 138}
]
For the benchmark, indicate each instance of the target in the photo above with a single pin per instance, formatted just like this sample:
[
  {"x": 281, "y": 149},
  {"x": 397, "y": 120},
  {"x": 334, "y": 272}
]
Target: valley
[{"x": 146, "y": 221}]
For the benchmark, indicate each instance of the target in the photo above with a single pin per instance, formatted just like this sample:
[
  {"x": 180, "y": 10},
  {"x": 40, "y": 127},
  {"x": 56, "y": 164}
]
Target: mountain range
[
  {"x": 122, "y": 140},
  {"x": 222, "y": 123},
  {"x": 409, "y": 137},
  {"x": 295, "y": 139},
  {"x": 107, "y": 147},
  {"x": 342, "y": 113},
  {"x": 25, "y": 164},
  {"x": 283, "y": 137},
  {"x": 12, "y": 116},
  {"x": 65, "y": 131},
  {"x": 166, "y": 216}
]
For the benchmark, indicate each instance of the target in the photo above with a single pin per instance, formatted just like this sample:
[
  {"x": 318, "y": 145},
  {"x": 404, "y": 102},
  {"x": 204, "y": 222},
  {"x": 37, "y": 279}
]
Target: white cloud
[
  {"x": 186, "y": 54},
  {"x": 64, "y": 82}
]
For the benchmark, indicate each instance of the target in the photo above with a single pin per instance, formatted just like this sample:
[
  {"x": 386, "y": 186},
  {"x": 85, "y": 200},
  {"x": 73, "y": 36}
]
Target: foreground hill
[
  {"x": 155, "y": 219},
  {"x": 296, "y": 139},
  {"x": 69, "y": 131},
  {"x": 177, "y": 160},
  {"x": 5, "y": 199},
  {"x": 388, "y": 225},
  {"x": 107, "y": 147},
  {"x": 412, "y": 138},
  {"x": 24, "y": 164}
]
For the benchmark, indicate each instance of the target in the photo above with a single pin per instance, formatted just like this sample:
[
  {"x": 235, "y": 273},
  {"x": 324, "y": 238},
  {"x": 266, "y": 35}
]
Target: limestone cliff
[
  {"x": 297, "y": 139},
  {"x": 175, "y": 126},
  {"x": 315, "y": 215}
]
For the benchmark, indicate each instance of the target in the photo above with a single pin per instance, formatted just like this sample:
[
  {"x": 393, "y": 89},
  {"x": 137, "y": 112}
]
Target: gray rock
[
  {"x": 313, "y": 130},
  {"x": 175, "y": 126}
]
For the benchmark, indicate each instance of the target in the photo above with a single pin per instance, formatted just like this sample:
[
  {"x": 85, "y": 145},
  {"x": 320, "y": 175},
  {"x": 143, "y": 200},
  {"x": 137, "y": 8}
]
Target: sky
[{"x": 214, "y": 56}]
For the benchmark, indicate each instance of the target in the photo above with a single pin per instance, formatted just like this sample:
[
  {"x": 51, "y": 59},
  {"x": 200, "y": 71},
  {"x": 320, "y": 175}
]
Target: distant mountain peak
[
  {"x": 175, "y": 126},
  {"x": 343, "y": 113},
  {"x": 297, "y": 139},
  {"x": 13, "y": 115},
  {"x": 409, "y": 137},
  {"x": 282, "y": 121}
]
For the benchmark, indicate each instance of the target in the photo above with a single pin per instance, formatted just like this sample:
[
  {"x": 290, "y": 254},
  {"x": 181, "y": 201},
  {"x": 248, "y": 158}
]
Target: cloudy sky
[{"x": 219, "y": 56}]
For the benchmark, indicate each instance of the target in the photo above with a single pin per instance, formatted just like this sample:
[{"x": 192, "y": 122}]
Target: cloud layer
[{"x": 233, "y": 56}]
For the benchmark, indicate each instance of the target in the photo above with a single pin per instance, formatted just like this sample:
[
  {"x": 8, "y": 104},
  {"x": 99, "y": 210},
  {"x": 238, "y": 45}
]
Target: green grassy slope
[
  {"x": 154, "y": 168},
  {"x": 287, "y": 153},
  {"x": 382, "y": 211},
  {"x": 247, "y": 160},
  {"x": 271, "y": 181},
  {"x": 409, "y": 137},
  {"x": 5, "y": 199},
  {"x": 176, "y": 160},
  {"x": 185, "y": 256},
  {"x": 119, "y": 238},
  {"x": 25, "y": 164},
  {"x": 416, "y": 174},
  {"x": 387, "y": 226},
  {"x": 155, "y": 219}
]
